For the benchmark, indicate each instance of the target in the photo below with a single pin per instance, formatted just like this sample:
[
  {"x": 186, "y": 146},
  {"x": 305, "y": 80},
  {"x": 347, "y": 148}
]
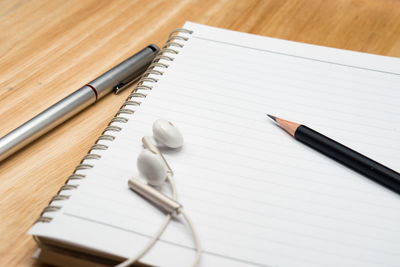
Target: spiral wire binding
[{"x": 133, "y": 100}]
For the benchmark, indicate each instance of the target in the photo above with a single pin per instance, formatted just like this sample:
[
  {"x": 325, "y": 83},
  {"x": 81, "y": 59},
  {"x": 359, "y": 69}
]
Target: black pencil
[{"x": 352, "y": 159}]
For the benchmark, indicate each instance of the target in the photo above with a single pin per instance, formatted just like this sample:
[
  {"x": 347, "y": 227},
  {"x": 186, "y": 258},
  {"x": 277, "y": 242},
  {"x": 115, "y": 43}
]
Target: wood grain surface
[{"x": 48, "y": 49}]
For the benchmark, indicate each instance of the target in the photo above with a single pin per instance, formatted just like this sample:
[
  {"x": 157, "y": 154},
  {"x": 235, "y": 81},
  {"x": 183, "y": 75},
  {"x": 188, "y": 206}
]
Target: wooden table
[{"x": 50, "y": 48}]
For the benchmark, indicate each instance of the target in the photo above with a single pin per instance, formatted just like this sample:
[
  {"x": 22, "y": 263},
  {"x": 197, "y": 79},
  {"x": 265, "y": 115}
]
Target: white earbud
[
  {"x": 152, "y": 167},
  {"x": 166, "y": 133},
  {"x": 151, "y": 162}
]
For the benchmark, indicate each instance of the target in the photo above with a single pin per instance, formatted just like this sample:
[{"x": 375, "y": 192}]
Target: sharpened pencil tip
[{"x": 272, "y": 117}]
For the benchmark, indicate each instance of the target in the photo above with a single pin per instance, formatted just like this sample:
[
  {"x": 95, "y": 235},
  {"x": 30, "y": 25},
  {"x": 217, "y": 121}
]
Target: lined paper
[{"x": 257, "y": 197}]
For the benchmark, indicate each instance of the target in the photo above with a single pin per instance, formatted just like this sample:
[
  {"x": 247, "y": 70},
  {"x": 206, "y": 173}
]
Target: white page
[{"x": 256, "y": 196}]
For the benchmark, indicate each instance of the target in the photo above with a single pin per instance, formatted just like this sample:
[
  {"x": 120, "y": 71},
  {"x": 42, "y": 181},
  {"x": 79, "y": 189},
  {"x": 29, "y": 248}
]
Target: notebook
[{"x": 256, "y": 196}]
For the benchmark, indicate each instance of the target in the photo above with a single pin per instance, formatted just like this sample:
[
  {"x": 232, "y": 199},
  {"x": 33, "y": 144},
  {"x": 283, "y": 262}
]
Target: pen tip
[{"x": 272, "y": 117}]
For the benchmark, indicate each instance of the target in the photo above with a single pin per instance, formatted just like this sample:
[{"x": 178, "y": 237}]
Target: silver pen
[{"x": 116, "y": 79}]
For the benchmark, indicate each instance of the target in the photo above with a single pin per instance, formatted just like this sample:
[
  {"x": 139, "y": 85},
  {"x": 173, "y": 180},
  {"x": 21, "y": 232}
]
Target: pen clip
[
  {"x": 125, "y": 84},
  {"x": 134, "y": 77}
]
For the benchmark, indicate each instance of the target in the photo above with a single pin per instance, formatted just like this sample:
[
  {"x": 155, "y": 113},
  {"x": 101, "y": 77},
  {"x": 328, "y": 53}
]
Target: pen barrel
[
  {"x": 46, "y": 120},
  {"x": 349, "y": 157},
  {"x": 126, "y": 72},
  {"x": 121, "y": 75}
]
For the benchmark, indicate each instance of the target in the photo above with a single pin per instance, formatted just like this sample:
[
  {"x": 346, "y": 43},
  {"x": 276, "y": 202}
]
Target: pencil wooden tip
[
  {"x": 272, "y": 117},
  {"x": 288, "y": 126}
]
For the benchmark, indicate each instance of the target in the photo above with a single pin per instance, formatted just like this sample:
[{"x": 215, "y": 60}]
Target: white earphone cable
[
  {"x": 157, "y": 235},
  {"x": 161, "y": 230},
  {"x": 195, "y": 238},
  {"x": 149, "y": 245},
  {"x": 189, "y": 222}
]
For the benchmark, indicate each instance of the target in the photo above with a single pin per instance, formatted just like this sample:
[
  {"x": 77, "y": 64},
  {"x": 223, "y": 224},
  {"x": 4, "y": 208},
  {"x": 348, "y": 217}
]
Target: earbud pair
[{"x": 151, "y": 163}]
